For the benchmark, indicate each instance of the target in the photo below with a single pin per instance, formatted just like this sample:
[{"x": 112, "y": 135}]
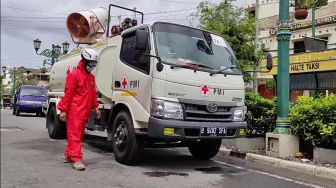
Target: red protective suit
[{"x": 77, "y": 103}]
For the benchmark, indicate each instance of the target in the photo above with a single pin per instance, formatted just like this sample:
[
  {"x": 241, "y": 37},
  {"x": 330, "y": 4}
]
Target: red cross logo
[
  {"x": 124, "y": 83},
  {"x": 204, "y": 90}
]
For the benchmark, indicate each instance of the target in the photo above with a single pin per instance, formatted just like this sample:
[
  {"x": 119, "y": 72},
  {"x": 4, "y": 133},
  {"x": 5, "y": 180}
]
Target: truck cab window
[{"x": 132, "y": 57}]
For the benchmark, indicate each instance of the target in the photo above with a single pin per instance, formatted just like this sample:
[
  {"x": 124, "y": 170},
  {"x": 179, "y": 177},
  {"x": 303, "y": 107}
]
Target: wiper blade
[
  {"x": 191, "y": 65},
  {"x": 224, "y": 70}
]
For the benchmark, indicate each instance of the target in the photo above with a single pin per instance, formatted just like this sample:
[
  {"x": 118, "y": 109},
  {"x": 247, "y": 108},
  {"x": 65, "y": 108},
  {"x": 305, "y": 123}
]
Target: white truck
[{"x": 158, "y": 84}]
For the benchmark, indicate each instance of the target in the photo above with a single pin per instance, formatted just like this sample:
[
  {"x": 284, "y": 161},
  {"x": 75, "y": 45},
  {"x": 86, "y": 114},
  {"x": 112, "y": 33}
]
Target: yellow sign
[{"x": 306, "y": 62}]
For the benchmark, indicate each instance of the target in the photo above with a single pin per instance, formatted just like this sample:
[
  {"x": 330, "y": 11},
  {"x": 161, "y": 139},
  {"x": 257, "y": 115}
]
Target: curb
[{"x": 323, "y": 172}]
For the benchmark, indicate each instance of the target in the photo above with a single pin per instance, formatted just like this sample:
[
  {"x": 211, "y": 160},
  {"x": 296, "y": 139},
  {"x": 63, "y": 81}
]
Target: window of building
[
  {"x": 130, "y": 56},
  {"x": 8, "y": 82},
  {"x": 299, "y": 46}
]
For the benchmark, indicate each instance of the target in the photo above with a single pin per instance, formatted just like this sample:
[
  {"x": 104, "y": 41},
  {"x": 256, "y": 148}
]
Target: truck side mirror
[
  {"x": 269, "y": 63},
  {"x": 141, "y": 40},
  {"x": 159, "y": 66}
]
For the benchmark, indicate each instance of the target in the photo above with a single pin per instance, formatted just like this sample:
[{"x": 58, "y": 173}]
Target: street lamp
[
  {"x": 4, "y": 69},
  {"x": 65, "y": 47},
  {"x": 53, "y": 54},
  {"x": 283, "y": 37}
]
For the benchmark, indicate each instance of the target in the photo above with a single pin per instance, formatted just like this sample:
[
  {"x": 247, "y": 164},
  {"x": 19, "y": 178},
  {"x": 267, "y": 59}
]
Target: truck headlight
[
  {"x": 239, "y": 113},
  {"x": 166, "y": 109}
]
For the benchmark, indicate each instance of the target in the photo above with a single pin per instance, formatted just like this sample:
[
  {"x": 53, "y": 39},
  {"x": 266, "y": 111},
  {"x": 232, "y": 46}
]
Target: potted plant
[{"x": 301, "y": 7}]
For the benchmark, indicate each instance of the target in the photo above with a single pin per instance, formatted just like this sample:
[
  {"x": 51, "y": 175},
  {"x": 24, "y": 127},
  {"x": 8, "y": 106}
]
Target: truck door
[{"x": 132, "y": 77}]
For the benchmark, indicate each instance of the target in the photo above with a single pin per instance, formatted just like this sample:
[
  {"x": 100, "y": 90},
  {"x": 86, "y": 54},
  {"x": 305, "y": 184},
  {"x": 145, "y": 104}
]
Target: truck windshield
[
  {"x": 182, "y": 45},
  {"x": 33, "y": 91}
]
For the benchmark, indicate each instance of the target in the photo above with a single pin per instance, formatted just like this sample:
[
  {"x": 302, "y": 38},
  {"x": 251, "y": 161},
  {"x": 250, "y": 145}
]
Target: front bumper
[
  {"x": 30, "y": 108},
  {"x": 190, "y": 130}
]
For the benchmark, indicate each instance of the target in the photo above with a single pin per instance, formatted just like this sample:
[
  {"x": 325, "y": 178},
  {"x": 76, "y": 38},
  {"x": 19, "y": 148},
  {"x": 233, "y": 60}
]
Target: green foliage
[
  {"x": 44, "y": 69},
  {"x": 21, "y": 78},
  {"x": 309, "y": 3},
  {"x": 231, "y": 23},
  {"x": 261, "y": 114},
  {"x": 270, "y": 83},
  {"x": 301, "y": 4},
  {"x": 315, "y": 120}
]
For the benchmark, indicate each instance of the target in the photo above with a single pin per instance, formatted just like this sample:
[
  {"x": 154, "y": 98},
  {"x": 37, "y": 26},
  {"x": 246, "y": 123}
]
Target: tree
[
  {"x": 231, "y": 23},
  {"x": 21, "y": 78},
  {"x": 44, "y": 69}
]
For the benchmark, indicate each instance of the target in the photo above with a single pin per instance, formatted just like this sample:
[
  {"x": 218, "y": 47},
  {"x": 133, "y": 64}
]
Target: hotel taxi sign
[
  {"x": 319, "y": 22},
  {"x": 306, "y": 62}
]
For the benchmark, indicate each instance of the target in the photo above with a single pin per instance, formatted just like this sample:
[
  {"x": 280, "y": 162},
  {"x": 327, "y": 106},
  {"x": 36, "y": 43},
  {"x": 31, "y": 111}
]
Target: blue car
[{"x": 30, "y": 99}]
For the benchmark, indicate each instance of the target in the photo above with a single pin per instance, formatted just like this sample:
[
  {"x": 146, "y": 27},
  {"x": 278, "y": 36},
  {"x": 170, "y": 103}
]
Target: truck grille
[{"x": 195, "y": 112}]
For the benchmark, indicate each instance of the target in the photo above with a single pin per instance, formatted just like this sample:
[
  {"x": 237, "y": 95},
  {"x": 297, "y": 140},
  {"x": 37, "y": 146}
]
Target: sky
[{"x": 22, "y": 21}]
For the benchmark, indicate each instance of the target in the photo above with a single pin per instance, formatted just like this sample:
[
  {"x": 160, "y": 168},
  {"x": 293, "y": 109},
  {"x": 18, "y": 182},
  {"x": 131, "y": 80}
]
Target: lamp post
[
  {"x": 2, "y": 85},
  {"x": 14, "y": 80},
  {"x": 314, "y": 92},
  {"x": 281, "y": 142},
  {"x": 283, "y": 37},
  {"x": 4, "y": 70},
  {"x": 53, "y": 54}
]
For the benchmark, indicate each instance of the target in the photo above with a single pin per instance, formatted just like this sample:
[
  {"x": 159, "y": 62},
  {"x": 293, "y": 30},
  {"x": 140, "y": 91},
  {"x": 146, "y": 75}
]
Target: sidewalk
[{"x": 315, "y": 170}]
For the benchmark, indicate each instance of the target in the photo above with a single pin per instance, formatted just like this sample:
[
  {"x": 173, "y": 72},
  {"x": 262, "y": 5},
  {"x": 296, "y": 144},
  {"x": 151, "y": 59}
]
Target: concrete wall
[
  {"x": 325, "y": 155},
  {"x": 245, "y": 144}
]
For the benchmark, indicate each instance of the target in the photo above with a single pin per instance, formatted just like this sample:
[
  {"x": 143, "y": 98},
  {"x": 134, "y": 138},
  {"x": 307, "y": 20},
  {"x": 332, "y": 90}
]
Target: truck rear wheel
[
  {"x": 56, "y": 128},
  {"x": 205, "y": 149},
  {"x": 126, "y": 145}
]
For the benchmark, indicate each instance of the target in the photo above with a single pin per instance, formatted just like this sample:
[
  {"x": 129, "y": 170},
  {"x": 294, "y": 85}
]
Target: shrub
[
  {"x": 315, "y": 120},
  {"x": 261, "y": 114}
]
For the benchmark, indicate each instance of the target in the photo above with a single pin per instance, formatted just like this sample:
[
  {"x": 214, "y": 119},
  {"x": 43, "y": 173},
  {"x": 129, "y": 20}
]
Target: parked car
[
  {"x": 6, "y": 101},
  {"x": 30, "y": 99}
]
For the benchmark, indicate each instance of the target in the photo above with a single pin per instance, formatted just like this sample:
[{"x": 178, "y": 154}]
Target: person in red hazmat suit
[{"x": 76, "y": 105}]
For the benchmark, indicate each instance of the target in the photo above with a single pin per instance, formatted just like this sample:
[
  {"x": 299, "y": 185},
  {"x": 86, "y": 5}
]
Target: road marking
[
  {"x": 10, "y": 129},
  {"x": 271, "y": 175}
]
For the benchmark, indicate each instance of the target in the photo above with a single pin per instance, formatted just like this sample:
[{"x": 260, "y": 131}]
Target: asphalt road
[{"x": 29, "y": 158}]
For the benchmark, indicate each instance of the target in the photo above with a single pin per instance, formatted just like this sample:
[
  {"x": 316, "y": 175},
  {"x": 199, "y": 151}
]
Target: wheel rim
[{"x": 121, "y": 136}]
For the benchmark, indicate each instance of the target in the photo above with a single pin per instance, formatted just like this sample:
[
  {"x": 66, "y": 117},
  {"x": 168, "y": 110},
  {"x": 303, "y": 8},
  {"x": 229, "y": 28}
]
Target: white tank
[
  {"x": 103, "y": 71},
  {"x": 59, "y": 71}
]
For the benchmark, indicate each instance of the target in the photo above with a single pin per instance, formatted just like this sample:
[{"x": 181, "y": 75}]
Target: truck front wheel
[
  {"x": 56, "y": 128},
  {"x": 204, "y": 149},
  {"x": 126, "y": 145}
]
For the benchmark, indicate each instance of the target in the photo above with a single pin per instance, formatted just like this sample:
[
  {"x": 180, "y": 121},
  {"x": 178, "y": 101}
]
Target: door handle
[{"x": 117, "y": 84}]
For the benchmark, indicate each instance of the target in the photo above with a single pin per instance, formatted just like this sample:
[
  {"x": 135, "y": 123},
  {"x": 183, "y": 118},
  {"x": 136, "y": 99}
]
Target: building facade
[
  {"x": 303, "y": 75},
  {"x": 42, "y": 78}
]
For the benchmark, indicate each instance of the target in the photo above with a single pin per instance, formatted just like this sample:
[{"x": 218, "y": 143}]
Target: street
[{"x": 29, "y": 158}]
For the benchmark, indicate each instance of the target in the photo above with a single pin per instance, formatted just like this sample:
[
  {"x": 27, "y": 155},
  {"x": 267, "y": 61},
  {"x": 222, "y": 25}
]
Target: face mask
[{"x": 89, "y": 67}]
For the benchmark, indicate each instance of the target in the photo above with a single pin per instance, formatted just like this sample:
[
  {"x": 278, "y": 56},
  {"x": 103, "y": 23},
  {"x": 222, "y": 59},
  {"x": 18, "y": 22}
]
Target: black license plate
[{"x": 213, "y": 131}]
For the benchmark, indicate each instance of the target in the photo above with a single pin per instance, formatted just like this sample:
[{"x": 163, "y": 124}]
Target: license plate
[{"x": 213, "y": 131}]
